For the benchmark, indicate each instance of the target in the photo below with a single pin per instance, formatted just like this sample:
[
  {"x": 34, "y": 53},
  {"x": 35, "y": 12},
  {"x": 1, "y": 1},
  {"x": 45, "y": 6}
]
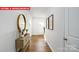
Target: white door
[{"x": 72, "y": 29}]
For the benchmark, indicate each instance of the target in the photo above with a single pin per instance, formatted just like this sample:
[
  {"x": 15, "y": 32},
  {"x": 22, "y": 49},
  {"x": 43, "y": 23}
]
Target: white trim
[
  {"x": 50, "y": 46},
  {"x": 48, "y": 43}
]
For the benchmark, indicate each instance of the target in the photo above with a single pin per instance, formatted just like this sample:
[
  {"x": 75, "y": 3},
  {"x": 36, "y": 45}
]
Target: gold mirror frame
[{"x": 18, "y": 24}]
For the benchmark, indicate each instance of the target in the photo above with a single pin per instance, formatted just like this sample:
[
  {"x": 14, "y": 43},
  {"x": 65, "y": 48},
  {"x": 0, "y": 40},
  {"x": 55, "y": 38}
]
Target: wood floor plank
[{"x": 38, "y": 44}]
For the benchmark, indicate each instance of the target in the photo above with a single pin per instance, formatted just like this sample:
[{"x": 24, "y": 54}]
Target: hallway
[
  {"x": 58, "y": 24},
  {"x": 38, "y": 44}
]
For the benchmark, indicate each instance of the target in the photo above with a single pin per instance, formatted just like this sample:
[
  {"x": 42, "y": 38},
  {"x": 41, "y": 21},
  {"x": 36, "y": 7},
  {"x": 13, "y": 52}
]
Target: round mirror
[{"x": 21, "y": 23}]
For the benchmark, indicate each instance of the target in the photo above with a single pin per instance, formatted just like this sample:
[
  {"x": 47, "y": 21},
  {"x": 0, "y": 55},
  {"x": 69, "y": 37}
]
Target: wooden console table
[{"x": 22, "y": 43}]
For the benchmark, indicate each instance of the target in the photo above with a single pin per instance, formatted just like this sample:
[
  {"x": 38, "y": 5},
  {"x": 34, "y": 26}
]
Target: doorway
[{"x": 38, "y": 26}]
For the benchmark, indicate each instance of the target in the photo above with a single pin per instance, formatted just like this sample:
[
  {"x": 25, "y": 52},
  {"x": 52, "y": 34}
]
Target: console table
[{"x": 22, "y": 43}]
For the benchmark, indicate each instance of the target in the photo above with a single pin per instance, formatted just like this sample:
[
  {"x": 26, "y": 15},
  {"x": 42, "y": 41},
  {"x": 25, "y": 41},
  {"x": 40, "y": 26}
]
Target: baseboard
[{"x": 49, "y": 44}]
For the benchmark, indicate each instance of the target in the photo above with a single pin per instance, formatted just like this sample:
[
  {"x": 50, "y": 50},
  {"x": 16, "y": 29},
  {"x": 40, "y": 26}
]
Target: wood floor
[{"x": 38, "y": 44}]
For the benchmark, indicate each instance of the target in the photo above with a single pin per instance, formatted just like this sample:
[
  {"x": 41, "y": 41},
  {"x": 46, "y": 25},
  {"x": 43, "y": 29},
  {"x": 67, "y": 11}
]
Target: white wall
[
  {"x": 55, "y": 37},
  {"x": 29, "y": 21},
  {"x": 8, "y": 29}
]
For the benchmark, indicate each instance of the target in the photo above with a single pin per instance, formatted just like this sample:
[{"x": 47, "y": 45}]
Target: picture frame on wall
[
  {"x": 51, "y": 22},
  {"x": 47, "y": 23}
]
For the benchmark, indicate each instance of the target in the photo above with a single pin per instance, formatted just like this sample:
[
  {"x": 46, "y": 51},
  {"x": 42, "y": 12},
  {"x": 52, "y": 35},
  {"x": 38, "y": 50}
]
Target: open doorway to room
[{"x": 38, "y": 26}]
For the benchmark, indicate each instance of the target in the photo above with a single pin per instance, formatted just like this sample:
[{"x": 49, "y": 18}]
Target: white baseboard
[{"x": 50, "y": 46}]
